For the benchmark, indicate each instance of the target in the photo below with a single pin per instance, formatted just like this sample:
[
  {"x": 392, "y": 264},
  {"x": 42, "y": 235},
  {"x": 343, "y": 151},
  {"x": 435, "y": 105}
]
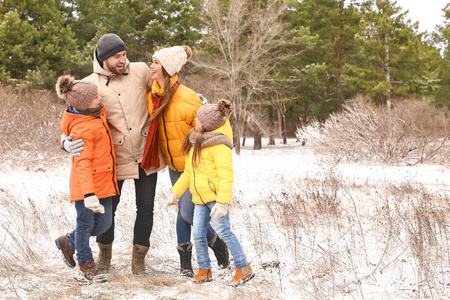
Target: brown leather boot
[
  {"x": 89, "y": 272},
  {"x": 138, "y": 260},
  {"x": 66, "y": 250},
  {"x": 104, "y": 257}
]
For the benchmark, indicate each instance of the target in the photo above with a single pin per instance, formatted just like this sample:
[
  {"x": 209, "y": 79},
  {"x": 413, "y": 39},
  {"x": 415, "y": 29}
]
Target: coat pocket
[
  {"x": 118, "y": 139},
  {"x": 212, "y": 186},
  {"x": 102, "y": 169}
]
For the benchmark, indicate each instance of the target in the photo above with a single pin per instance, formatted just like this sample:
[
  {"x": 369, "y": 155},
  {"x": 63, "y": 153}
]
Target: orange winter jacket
[{"x": 94, "y": 171}]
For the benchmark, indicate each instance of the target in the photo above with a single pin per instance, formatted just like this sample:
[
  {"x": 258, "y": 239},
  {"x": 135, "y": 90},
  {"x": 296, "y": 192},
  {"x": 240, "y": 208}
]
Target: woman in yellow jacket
[
  {"x": 208, "y": 173},
  {"x": 173, "y": 108}
]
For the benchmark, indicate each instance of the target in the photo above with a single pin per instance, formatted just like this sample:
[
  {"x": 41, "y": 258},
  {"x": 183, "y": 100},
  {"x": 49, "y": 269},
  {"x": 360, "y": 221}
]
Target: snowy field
[{"x": 311, "y": 228}]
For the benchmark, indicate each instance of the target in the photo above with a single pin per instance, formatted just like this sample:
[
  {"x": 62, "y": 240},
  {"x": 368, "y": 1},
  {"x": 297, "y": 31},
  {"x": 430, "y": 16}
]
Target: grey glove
[
  {"x": 93, "y": 204},
  {"x": 73, "y": 147},
  {"x": 172, "y": 200},
  {"x": 219, "y": 210},
  {"x": 203, "y": 99}
]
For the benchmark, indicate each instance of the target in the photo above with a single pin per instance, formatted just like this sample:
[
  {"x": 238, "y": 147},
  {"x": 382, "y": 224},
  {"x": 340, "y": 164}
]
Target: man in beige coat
[{"x": 124, "y": 87}]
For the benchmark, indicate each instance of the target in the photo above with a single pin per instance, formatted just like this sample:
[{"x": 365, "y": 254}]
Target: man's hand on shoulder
[{"x": 73, "y": 147}]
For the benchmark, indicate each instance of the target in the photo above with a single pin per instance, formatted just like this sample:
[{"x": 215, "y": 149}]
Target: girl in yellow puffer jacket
[{"x": 208, "y": 173}]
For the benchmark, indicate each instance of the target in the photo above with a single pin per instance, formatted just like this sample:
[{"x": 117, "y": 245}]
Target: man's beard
[{"x": 113, "y": 69}]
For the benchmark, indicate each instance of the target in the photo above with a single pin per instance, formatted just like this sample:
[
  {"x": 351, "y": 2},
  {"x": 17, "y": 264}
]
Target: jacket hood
[
  {"x": 226, "y": 130},
  {"x": 70, "y": 119},
  {"x": 99, "y": 70}
]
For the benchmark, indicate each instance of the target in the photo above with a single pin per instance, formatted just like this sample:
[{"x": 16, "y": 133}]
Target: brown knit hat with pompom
[
  {"x": 213, "y": 116},
  {"x": 77, "y": 93}
]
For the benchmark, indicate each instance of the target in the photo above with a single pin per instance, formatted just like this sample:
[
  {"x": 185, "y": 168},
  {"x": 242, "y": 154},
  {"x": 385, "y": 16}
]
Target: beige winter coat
[{"x": 125, "y": 100}]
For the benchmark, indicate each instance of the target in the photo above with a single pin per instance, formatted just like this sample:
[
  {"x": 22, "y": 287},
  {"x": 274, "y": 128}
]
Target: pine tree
[
  {"x": 36, "y": 44},
  {"x": 396, "y": 62},
  {"x": 442, "y": 94},
  {"x": 332, "y": 26}
]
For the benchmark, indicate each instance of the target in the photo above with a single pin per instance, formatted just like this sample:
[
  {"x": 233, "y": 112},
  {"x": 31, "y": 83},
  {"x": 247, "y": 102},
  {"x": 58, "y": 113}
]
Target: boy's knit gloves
[
  {"x": 172, "y": 201},
  {"x": 93, "y": 204},
  {"x": 219, "y": 210},
  {"x": 74, "y": 147}
]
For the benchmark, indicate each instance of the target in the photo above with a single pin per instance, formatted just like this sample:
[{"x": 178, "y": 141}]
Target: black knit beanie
[{"x": 108, "y": 45}]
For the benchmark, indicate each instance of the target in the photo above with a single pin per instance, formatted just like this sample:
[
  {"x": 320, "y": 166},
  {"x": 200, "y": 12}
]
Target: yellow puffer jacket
[
  {"x": 212, "y": 179},
  {"x": 175, "y": 122}
]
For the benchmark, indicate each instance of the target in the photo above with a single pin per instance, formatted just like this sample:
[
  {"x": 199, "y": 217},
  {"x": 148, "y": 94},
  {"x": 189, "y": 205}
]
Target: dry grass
[
  {"x": 344, "y": 245},
  {"x": 412, "y": 131},
  {"x": 29, "y": 127}
]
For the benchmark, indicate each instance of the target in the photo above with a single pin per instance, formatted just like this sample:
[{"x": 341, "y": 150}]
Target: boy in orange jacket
[{"x": 93, "y": 175}]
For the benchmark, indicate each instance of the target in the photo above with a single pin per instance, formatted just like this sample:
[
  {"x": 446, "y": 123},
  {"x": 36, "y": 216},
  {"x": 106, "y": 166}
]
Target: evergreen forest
[{"x": 279, "y": 61}]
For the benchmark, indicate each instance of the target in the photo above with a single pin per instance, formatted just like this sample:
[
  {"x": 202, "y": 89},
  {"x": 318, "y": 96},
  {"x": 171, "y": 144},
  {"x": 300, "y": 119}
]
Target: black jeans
[{"x": 145, "y": 188}]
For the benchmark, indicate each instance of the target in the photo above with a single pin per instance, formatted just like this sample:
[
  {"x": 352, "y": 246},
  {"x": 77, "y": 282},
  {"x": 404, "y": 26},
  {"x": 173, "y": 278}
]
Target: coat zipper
[
  {"x": 112, "y": 155},
  {"x": 195, "y": 186},
  {"x": 167, "y": 142}
]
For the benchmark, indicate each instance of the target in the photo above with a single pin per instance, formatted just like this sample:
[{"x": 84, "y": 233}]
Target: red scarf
[{"x": 151, "y": 152}]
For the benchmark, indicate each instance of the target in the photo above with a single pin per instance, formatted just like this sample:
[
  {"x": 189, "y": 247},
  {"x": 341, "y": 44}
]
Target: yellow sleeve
[
  {"x": 184, "y": 181},
  {"x": 223, "y": 159}
]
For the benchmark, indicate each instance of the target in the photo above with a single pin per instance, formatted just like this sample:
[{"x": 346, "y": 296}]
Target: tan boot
[
  {"x": 243, "y": 274},
  {"x": 202, "y": 276},
  {"x": 104, "y": 257},
  {"x": 138, "y": 260}
]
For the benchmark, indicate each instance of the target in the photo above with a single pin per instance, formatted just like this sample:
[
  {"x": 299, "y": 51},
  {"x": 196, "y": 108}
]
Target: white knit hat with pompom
[{"x": 173, "y": 58}]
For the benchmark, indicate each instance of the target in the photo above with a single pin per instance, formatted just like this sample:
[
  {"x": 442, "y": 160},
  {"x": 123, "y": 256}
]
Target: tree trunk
[
  {"x": 280, "y": 122},
  {"x": 340, "y": 57},
  {"x": 257, "y": 144},
  {"x": 385, "y": 96},
  {"x": 282, "y": 118},
  {"x": 236, "y": 137},
  {"x": 388, "y": 77},
  {"x": 271, "y": 122},
  {"x": 245, "y": 129}
]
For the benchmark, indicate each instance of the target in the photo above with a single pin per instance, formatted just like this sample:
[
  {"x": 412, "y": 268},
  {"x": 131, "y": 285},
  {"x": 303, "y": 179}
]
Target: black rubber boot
[
  {"x": 185, "y": 251},
  {"x": 220, "y": 251}
]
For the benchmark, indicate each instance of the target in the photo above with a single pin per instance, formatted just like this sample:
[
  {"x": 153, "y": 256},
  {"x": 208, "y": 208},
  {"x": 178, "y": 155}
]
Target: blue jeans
[
  {"x": 185, "y": 217},
  {"x": 201, "y": 219},
  {"x": 89, "y": 224}
]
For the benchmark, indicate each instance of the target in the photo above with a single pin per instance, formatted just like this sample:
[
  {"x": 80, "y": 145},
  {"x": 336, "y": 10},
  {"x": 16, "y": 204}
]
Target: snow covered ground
[{"x": 312, "y": 228}]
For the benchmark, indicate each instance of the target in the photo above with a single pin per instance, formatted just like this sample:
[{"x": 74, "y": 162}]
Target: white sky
[{"x": 427, "y": 12}]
